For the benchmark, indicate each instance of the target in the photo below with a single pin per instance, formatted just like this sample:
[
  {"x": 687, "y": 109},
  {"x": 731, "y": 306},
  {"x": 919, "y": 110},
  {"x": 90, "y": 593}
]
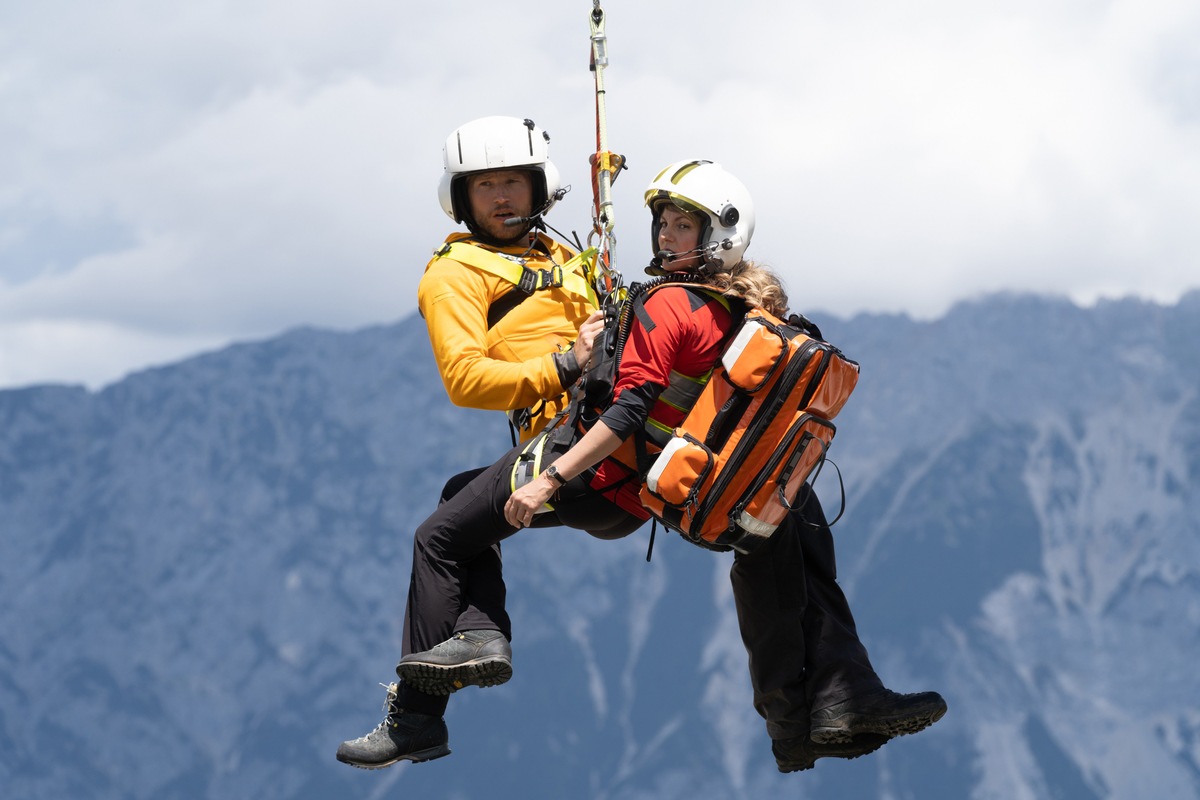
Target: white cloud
[
  {"x": 86, "y": 352},
  {"x": 177, "y": 179}
]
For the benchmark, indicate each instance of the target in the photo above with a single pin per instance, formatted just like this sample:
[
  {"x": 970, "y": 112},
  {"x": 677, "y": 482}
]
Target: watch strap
[{"x": 552, "y": 472}]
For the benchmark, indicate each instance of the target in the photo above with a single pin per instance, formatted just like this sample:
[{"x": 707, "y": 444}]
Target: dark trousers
[
  {"x": 796, "y": 625},
  {"x": 457, "y": 579}
]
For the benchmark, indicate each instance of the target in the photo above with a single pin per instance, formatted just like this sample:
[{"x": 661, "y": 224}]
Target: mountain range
[{"x": 203, "y": 570}]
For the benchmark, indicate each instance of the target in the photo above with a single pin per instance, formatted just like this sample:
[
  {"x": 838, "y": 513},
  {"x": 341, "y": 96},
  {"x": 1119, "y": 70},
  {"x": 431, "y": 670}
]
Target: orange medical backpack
[{"x": 762, "y": 424}]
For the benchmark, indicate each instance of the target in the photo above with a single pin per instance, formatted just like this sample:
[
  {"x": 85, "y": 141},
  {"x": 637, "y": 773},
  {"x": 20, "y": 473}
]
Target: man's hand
[{"x": 586, "y": 339}]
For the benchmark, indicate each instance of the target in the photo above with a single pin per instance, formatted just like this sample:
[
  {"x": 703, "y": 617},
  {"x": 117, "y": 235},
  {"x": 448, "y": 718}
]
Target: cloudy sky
[{"x": 178, "y": 176}]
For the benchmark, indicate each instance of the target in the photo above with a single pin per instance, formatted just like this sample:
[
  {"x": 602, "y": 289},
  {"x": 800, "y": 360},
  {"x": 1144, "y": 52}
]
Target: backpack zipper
[{"x": 794, "y": 452}]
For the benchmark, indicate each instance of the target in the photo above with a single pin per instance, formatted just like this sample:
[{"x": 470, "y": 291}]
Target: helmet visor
[{"x": 662, "y": 197}]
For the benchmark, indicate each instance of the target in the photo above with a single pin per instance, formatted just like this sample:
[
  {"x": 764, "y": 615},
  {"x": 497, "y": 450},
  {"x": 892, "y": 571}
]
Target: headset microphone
[
  {"x": 657, "y": 267},
  {"x": 662, "y": 256}
]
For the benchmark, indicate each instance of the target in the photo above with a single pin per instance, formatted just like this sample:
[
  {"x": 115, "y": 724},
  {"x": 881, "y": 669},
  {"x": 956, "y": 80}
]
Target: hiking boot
[
  {"x": 469, "y": 658},
  {"x": 801, "y": 753},
  {"x": 883, "y": 712},
  {"x": 402, "y": 736}
]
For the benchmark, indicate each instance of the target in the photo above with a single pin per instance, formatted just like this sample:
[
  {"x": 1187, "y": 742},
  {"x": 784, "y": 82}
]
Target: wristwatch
[{"x": 552, "y": 473}]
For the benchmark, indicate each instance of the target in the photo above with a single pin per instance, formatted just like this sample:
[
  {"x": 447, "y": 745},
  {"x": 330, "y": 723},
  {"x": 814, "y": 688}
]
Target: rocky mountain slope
[{"x": 203, "y": 567}]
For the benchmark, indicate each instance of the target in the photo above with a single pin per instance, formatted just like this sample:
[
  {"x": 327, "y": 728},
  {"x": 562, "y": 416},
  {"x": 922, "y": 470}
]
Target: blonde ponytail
[{"x": 757, "y": 286}]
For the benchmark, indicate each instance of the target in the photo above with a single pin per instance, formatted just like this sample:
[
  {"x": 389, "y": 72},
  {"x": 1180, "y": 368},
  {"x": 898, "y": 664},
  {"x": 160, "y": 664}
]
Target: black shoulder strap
[
  {"x": 506, "y": 303},
  {"x": 807, "y": 325}
]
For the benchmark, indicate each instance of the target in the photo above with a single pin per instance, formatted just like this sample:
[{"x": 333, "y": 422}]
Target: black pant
[
  {"x": 796, "y": 624},
  {"x": 457, "y": 577}
]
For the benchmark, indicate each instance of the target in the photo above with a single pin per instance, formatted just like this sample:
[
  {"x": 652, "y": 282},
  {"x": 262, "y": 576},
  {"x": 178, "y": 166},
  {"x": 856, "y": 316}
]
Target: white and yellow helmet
[
  {"x": 720, "y": 198},
  {"x": 496, "y": 143}
]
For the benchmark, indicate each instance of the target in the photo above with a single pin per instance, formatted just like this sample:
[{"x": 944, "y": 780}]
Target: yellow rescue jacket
[{"x": 508, "y": 366}]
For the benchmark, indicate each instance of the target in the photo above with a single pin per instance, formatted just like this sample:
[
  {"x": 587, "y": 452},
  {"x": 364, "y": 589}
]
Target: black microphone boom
[{"x": 512, "y": 222}]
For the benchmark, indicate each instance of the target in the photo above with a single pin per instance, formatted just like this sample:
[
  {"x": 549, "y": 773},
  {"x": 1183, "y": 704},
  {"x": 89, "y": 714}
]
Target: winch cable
[{"x": 605, "y": 166}]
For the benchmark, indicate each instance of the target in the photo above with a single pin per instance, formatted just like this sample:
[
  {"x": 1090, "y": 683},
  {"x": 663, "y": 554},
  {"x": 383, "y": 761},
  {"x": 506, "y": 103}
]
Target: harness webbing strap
[
  {"x": 568, "y": 277},
  {"x": 528, "y": 466}
]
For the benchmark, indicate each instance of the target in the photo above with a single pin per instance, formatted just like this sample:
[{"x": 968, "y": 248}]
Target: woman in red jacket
[{"x": 817, "y": 701}]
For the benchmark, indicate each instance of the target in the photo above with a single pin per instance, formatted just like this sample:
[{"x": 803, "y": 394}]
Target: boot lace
[{"x": 389, "y": 705}]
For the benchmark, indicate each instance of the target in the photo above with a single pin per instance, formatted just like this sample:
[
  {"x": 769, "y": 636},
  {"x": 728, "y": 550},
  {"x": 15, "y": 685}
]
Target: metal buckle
[{"x": 529, "y": 280}]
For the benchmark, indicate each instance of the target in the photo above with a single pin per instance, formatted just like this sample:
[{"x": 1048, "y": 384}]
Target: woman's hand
[
  {"x": 586, "y": 339},
  {"x": 597, "y": 443},
  {"x": 528, "y": 500}
]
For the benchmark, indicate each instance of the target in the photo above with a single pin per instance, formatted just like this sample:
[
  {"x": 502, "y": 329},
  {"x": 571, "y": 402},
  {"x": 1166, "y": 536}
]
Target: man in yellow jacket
[
  {"x": 512, "y": 316},
  {"x": 504, "y": 302}
]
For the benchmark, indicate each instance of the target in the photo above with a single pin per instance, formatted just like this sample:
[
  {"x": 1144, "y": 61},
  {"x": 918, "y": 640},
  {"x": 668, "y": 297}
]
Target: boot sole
[
  {"x": 847, "y": 751},
  {"x": 438, "y": 679},
  {"x": 428, "y": 754},
  {"x": 843, "y": 729}
]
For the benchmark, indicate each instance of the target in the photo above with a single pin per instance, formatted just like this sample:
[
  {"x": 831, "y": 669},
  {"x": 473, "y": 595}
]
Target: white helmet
[
  {"x": 496, "y": 143},
  {"x": 721, "y": 199}
]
